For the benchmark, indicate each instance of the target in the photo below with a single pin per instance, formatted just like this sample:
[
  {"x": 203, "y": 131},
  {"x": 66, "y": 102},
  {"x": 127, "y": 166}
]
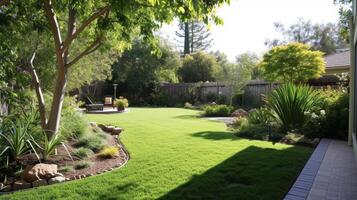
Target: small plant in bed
[
  {"x": 109, "y": 152},
  {"x": 66, "y": 168},
  {"x": 82, "y": 164},
  {"x": 95, "y": 142},
  {"x": 217, "y": 111},
  {"x": 82, "y": 153}
]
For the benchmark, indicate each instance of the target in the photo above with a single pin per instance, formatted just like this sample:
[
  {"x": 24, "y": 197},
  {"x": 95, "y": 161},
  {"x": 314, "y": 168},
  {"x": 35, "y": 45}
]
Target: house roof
[{"x": 338, "y": 60}]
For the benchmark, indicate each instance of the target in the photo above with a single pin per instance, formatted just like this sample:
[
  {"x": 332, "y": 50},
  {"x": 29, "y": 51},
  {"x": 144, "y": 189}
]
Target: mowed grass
[{"x": 176, "y": 155}]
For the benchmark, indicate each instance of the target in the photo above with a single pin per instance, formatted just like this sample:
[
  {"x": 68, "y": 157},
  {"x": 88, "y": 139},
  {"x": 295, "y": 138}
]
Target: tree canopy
[
  {"x": 294, "y": 62},
  {"x": 193, "y": 36},
  {"x": 323, "y": 37},
  {"x": 140, "y": 70},
  {"x": 72, "y": 30},
  {"x": 199, "y": 67}
]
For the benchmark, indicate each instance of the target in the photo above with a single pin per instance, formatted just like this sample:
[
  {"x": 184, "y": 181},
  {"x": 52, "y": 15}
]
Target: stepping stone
[
  {"x": 117, "y": 130},
  {"x": 109, "y": 128}
]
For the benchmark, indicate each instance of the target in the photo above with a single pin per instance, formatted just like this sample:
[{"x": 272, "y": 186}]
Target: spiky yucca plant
[{"x": 291, "y": 102}]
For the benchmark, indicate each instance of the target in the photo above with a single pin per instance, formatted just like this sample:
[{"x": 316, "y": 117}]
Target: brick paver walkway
[{"x": 330, "y": 174}]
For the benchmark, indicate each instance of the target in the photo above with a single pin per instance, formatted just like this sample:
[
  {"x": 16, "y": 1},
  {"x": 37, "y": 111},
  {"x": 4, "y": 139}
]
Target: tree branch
[
  {"x": 71, "y": 28},
  {"x": 86, "y": 23},
  {"x": 90, "y": 49},
  {"x": 39, "y": 94},
  {"x": 56, "y": 33}
]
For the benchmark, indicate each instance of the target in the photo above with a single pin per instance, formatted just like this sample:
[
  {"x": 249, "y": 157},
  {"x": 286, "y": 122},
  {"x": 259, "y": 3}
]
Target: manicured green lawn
[{"x": 175, "y": 155}]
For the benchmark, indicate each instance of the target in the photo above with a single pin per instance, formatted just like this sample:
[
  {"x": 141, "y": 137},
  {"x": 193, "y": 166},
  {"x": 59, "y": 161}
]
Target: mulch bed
[{"x": 98, "y": 165}]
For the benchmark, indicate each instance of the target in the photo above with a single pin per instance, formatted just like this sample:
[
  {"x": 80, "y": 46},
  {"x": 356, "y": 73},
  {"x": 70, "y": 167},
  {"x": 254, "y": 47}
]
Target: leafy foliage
[
  {"x": 17, "y": 136},
  {"x": 335, "y": 122},
  {"x": 121, "y": 103},
  {"x": 217, "y": 110},
  {"x": 323, "y": 37},
  {"x": 294, "y": 62},
  {"x": 198, "y": 67},
  {"x": 290, "y": 103},
  {"x": 261, "y": 116},
  {"x": 138, "y": 70}
]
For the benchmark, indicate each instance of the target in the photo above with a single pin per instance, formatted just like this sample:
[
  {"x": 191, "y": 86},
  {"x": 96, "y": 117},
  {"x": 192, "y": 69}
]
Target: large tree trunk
[
  {"x": 187, "y": 39},
  {"x": 57, "y": 101}
]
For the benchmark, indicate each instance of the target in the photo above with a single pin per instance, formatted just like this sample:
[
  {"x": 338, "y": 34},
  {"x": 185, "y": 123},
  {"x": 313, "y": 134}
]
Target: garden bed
[{"x": 67, "y": 165}]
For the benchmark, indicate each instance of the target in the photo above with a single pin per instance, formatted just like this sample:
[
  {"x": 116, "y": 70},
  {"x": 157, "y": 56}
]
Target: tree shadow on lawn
[
  {"x": 193, "y": 116},
  {"x": 113, "y": 193},
  {"x": 216, "y": 135},
  {"x": 254, "y": 173}
]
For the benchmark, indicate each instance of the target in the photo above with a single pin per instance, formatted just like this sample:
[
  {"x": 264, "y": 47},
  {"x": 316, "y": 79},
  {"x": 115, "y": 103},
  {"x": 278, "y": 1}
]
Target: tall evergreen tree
[{"x": 193, "y": 36}]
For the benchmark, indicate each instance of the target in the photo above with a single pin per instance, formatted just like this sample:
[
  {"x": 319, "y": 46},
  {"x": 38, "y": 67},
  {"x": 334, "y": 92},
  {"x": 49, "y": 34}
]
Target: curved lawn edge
[
  {"x": 176, "y": 155},
  {"x": 121, "y": 147}
]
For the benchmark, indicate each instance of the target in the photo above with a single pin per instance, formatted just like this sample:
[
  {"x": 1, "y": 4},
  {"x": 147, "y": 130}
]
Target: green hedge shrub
[{"x": 217, "y": 110}]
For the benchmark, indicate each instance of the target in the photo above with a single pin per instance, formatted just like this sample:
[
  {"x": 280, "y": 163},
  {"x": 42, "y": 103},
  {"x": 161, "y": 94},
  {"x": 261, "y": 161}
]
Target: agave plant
[
  {"x": 291, "y": 102},
  {"x": 17, "y": 141},
  {"x": 50, "y": 145}
]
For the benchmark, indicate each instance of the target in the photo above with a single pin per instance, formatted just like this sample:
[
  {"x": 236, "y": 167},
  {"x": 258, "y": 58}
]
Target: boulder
[
  {"x": 93, "y": 124},
  {"x": 117, "y": 131},
  {"x": 239, "y": 113},
  {"x": 19, "y": 185},
  {"x": 40, "y": 171},
  {"x": 102, "y": 126},
  {"x": 109, "y": 128},
  {"x": 58, "y": 179},
  {"x": 38, "y": 183}
]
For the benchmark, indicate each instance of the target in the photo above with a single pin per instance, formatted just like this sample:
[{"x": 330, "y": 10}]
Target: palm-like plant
[
  {"x": 17, "y": 142},
  {"x": 291, "y": 102},
  {"x": 50, "y": 145}
]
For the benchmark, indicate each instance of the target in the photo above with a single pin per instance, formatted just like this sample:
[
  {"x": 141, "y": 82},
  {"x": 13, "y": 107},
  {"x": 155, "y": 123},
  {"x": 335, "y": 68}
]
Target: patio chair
[
  {"x": 108, "y": 101},
  {"x": 93, "y": 106}
]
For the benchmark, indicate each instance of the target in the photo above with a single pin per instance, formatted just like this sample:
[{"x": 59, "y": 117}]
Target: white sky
[{"x": 248, "y": 23}]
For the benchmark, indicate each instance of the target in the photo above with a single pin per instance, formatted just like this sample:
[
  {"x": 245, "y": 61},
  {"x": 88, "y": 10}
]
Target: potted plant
[{"x": 121, "y": 103}]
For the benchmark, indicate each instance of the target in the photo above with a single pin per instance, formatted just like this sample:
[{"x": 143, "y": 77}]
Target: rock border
[{"x": 16, "y": 186}]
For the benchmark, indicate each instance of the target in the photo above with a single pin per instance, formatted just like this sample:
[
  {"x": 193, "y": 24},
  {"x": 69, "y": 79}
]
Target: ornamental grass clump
[
  {"x": 290, "y": 103},
  {"x": 109, "y": 152}
]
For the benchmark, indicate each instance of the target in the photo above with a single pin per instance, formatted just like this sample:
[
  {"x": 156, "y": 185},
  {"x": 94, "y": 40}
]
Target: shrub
[
  {"x": 82, "y": 153},
  {"x": 108, "y": 152},
  {"x": 121, "y": 103},
  {"x": 290, "y": 103},
  {"x": 313, "y": 126},
  {"x": 188, "y": 105},
  {"x": 217, "y": 111},
  {"x": 262, "y": 116},
  {"x": 82, "y": 164},
  {"x": 222, "y": 99},
  {"x": 211, "y": 97},
  {"x": 335, "y": 123},
  {"x": 72, "y": 123},
  {"x": 240, "y": 123},
  {"x": 91, "y": 141}
]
